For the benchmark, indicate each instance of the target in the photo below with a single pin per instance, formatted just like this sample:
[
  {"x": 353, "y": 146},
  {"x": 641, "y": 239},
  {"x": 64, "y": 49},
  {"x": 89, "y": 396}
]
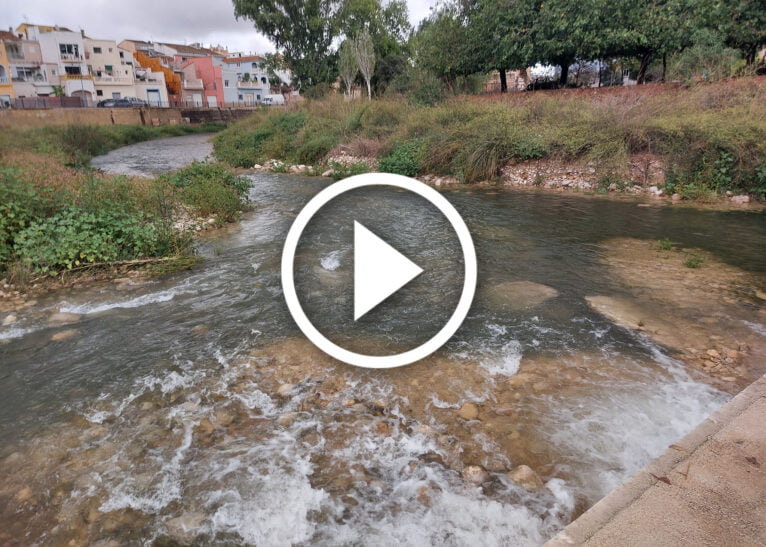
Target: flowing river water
[{"x": 191, "y": 409}]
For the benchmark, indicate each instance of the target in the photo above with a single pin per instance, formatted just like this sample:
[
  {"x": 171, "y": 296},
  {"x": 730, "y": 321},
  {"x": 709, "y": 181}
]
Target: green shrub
[
  {"x": 693, "y": 261},
  {"x": 341, "y": 171},
  {"x": 73, "y": 237},
  {"x": 666, "y": 244},
  {"x": 315, "y": 149},
  {"x": 403, "y": 160},
  {"x": 212, "y": 189}
]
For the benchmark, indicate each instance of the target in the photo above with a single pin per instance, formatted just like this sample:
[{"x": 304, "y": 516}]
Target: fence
[{"x": 49, "y": 102}]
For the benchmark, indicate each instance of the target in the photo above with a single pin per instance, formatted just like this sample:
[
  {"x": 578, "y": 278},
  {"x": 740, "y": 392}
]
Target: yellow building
[{"x": 6, "y": 84}]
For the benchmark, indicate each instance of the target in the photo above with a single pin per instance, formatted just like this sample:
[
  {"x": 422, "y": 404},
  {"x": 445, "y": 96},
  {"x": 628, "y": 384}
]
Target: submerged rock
[
  {"x": 61, "y": 318},
  {"x": 519, "y": 295},
  {"x": 285, "y": 390},
  {"x": 525, "y": 476},
  {"x": 475, "y": 474},
  {"x": 64, "y": 335},
  {"x": 469, "y": 411},
  {"x": 9, "y": 320},
  {"x": 185, "y": 527}
]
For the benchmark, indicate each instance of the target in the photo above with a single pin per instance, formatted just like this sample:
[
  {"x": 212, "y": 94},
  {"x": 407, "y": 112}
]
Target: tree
[
  {"x": 347, "y": 66},
  {"x": 742, "y": 23},
  {"x": 303, "y": 30},
  {"x": 499, "y": 36},
  {"x": 365, "y": 57},
  {"x": 441, "y": 45}
]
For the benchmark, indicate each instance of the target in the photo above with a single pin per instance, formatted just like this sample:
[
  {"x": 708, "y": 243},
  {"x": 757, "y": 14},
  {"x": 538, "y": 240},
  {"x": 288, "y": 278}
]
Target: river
[{"x": 191, "y": 408}]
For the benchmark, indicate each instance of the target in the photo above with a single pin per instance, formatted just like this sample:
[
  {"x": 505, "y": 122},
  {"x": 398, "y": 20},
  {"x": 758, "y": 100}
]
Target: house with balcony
[
  {"x": 28, "y": 75},
  {"x": 63, "y": 56},
  {"x": 217, "y": 81},
  {"x": 252, "y": 82},
  {"x": 117, "y": 75},
  {"x": 6, "y": 86}
]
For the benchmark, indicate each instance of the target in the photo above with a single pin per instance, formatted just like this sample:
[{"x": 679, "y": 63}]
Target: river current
[{"x": 191, "y": 408}]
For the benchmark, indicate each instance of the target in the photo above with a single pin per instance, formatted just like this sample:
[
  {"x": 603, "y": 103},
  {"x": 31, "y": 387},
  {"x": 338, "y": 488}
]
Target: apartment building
[
  {"x": 117, "y": 75},
  {"x": 63, "y": 56},
  {"x": 6, "y": 85},
  {"x": 251, "y": 81}
]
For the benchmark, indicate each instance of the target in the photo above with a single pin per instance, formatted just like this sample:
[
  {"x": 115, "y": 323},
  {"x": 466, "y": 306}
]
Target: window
[
  {"x": 110, "y": 50},
  {"x": 14, "y": 51},
  {"x": 122, "y": 55},
  {"x": 72, "y": 69},
  {"x": 108, "y": 68},
  {"x": 115, "y": 95},
  {"x": 96, "y": 50},
  {"x": 69, "y": 50},
  {"x": 255, "y": 65},
  {"x": 240, "y": 97},
  {"x": 226, "y": 83},
  {"x": 215, "y": 86},
  {"x": 99, "y": 93}
]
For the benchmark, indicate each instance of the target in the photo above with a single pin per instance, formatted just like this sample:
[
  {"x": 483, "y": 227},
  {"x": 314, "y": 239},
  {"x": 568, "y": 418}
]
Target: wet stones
[
  {"x": 469, "y": 411},
  {"x": 475, "y": 474},
  {"x": 63, "y": 318},
  {"x": 285, "y": 390},
  {"x": 525, "y": 476},
  {"x": 64, "y": 335},
  {"x": 9, "y": 320},
  {"x": 519, "y": 295},
  {"x": 185, "y": 526}
]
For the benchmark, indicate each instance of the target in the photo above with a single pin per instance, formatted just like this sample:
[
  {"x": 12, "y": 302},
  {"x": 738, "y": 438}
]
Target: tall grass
[{"x": 709, "y": 136}]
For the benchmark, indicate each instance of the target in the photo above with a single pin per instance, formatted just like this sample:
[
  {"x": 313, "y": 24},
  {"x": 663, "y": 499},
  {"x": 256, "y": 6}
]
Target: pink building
[{"x": 214, "y": 83}]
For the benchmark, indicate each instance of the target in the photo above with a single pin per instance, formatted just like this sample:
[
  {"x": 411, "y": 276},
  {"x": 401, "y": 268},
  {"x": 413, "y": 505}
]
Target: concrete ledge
[{"x": 709, "y": 488}]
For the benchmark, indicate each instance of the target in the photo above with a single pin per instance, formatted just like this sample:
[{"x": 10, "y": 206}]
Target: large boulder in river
[
  {"x": 525, "y": 476},
  {"x": 518, "y": 295}
]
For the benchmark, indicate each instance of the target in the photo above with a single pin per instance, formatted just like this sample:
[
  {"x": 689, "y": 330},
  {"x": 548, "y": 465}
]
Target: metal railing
[{"x": 66, "y": 77}]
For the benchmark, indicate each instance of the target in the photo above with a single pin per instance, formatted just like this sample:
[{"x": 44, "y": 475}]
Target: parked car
[{"x": 125, "y": 102}]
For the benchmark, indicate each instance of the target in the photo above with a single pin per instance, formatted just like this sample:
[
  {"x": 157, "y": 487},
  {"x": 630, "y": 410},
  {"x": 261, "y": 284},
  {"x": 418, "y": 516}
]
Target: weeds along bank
[
  {"x": 58, "y": 215},
  {"x": 695, "y": 142}
]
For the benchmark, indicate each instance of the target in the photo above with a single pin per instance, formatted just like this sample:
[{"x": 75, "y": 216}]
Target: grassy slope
[
  {"x": 57, "y": 214},
  {"x": 712, "y": 138}
]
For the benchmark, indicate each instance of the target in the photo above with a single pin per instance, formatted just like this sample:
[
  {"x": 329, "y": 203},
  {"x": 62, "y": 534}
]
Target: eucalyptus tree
[
  {"x": 347, "y": 65},
  {"x": 365, "y": 57}
]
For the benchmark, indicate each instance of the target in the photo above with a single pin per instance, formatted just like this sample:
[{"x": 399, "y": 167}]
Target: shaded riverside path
[{"x": 190, "y": 408}]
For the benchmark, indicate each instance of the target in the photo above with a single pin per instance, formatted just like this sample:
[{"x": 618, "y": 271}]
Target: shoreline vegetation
[
  {"x": 62, "y": 222},
  {"x": 703, "y": 143}
]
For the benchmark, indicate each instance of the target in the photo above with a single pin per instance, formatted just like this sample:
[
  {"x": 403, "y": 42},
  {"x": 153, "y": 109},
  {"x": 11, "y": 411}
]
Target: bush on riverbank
[
  {"x": 54, "y": 217},
  {"x": 710, "y": 138}
]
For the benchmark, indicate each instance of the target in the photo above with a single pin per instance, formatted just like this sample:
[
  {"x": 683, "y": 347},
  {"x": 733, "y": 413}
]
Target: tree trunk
[
  {"x": 369, "y": 91},
  {"x": 503, "y": 81},
  {"x": 564, "y": 74},
  {"x": 645, "y": 60},
  {"x": 751, "y": 54},
  {"x": 664, "y": 66},
  {"x": 599, "y": 72}
]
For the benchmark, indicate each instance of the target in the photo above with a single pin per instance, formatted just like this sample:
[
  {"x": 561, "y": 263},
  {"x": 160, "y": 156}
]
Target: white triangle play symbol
[{"x": 379, "y": 270}]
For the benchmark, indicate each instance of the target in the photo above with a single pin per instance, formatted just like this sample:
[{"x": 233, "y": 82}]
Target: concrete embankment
[
  {"x": 122, "y": 116},
  {"x": 709, "y": 488}
]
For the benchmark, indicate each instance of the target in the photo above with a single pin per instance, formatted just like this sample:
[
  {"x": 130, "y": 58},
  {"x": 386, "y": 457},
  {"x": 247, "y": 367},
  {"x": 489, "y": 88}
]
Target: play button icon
[{"x": 380, "y": 271}]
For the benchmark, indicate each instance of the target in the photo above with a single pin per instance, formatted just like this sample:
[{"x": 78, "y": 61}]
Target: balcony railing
[
  {"x": 71, "y": 57},
  {"x": 251, "y": 84},
  {"x": 106, "y": 79},
  {"x": 68, "y": 77},
  {"x": 34, "y": 79},
  {"x": 3, "y": 80},
  {"x": 193, "y": 84}
]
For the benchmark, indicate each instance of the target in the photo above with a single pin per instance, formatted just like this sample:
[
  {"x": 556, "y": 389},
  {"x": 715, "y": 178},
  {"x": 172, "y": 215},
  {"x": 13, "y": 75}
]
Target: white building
[
  {"x": 63, "y": 59},
  {"x": 116, "y": 75}
]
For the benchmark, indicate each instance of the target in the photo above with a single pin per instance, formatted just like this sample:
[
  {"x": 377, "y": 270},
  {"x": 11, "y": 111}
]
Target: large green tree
[
  {"x": 742, "y": 23},
  {"x": 306, "y": 31},
  {"x": 303, "y": 30}
]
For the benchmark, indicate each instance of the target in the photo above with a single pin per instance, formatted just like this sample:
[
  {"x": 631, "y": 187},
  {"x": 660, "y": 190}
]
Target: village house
[
  {"x": 62, "y": 62},
  {"x": 116, "y": 74},
  {"x": 6, "y": 86},
  {"x": 250, "y": 83}
]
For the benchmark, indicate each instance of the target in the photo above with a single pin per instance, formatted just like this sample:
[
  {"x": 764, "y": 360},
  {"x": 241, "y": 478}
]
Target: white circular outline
[{"x": 378, "y": 361}]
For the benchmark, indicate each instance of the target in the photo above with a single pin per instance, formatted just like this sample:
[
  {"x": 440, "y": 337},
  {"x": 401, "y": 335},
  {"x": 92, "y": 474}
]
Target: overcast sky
[{"x": 179, "y": 21}]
